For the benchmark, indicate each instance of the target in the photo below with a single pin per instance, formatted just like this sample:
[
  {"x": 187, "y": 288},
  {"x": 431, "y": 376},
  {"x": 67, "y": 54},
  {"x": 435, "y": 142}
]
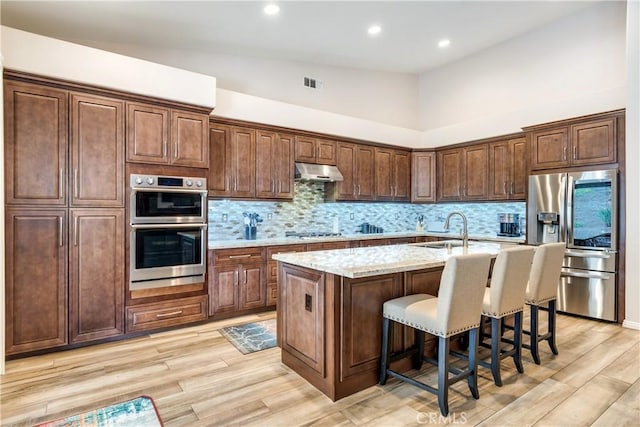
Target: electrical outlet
[
  {"x": 397, "y": 215},
  {"x": 225, "y": 217},
  {"x": 352, "y": 216},
  {"x": 269, "y": 216}
]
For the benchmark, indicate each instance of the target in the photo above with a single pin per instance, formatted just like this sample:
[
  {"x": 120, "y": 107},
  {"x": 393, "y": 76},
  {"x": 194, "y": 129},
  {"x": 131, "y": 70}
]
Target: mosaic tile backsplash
[{"x": 309, "y": 212}]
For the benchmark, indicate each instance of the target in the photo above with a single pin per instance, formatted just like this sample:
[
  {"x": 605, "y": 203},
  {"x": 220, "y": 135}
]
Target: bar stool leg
[
  {"x": 552, "y": 326},
  {"x": 534, "y": 334},
  {"x": 386, "y": 347},
  {"x": 496, "y": 328},
  {"x": 517, "y": 342},
  {"x": 418, "y": 358},
  {"x": 472, "y": 380},
  {"x": 443, "y": 375}
]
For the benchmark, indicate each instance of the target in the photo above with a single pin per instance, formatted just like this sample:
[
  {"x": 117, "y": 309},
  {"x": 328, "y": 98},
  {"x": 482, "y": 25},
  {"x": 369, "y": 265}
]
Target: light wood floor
[{"x": 197, "y": 378}]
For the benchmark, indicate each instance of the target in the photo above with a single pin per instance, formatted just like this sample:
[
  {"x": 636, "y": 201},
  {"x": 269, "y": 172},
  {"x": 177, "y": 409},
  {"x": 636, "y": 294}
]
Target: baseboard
[{"x": 631, "y": 325}]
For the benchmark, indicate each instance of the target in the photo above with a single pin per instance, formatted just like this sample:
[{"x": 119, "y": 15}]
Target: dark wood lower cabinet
[
  {"x": 96, "y": 276},
  {"x": 36, "y": 279},
  {"x": 329, "y": 327}
]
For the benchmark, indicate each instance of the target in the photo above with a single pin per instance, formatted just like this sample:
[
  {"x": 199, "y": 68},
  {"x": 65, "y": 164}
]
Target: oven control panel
[{"x": 168, "y": 182}]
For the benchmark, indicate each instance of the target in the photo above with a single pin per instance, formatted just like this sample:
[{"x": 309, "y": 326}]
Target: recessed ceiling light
[
  {"x": 271, "y": 9},
  {"x": 444, "y": 43},
  {"x": 374, "y": 30}
]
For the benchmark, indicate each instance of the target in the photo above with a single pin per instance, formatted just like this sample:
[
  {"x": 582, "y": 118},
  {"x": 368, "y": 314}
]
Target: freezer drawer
[{"x": 588, "y": 293}]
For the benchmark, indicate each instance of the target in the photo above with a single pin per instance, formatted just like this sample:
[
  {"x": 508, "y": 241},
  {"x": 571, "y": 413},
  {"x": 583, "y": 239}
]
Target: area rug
[
  {"x": 138, "y": 412},
  {"x": 252, "y": 337}
]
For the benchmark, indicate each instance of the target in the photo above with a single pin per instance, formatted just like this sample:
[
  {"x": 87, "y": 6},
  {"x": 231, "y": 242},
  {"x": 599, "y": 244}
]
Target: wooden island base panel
[{"x": 330, "y": 324}]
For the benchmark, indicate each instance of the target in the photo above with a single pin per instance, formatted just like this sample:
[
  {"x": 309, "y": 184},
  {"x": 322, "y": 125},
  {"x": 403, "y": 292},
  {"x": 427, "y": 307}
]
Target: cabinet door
[
  {"x": 266, "y": 183},
  {"x": 223, "y": 289},
  {"x": 499, "y": 170},
  {"x": 449, "y": 181},
  {"x": 423, "y": 185},
  {"x": 476, "y": 172},
  {"x": 283, "y": 166},
  {"x": 36, "y": 285},
  {"x": 147, "y": 134},
  {"x": 549, "y": 149},
  {"x": 97, "y": 151},
  {"x": 384, "y": 174},
  {"x": 365, "y": 161},
  {"x": 189, "y": 139},
  {"x": 35, "y": 121},
  {"x": 518, "y": 163},
  {"x": 96, "y": 278},
  {"x": 326, "y": 152},
  {"x": 305, "y": 149},
  {"x": 593, "y": 143},
  {"x": 253, "y": 287},
  {"x": 401, "y": 175},
  {"x": 220, "y": 153},
  {"x": 243, "y": 162},
  {"x": 346, "y": 162}
]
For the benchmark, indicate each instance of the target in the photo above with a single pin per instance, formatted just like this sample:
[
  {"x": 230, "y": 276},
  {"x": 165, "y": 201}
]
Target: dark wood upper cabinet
[
  {"x": 463, "y": 173},
  {"x": 190, "y": 140},
  {"x": 508, "y": 169},
  {"x": 577, "y": 144},
  {"x": 167, "y": 136},
  {"x": 97, "y": 151},
  {"x": 36, "y": 144},
  {"x": 232, "y": 161},
  {"x": 274, "y": 165},
  {"x": 594, "y": 142},
  {"x": 450, "y": 175},
  {"x": 315, "y": 150},
  {"x": 147, "y": 133},
  {"x": 365, "y": 172},
  {"x": 392, "y": 174},
  {"x": 423, "y": 177},
  {"x": 356, "y": 163}
]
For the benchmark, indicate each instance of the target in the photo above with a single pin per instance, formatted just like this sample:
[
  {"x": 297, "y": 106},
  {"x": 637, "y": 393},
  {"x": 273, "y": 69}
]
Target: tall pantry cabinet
[{"x": 64, "y": 222}]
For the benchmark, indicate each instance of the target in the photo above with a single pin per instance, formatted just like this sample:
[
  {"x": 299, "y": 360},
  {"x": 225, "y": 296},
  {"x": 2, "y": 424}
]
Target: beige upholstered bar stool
[
  {"x": 505, "y": 297},
  {"x": 543, "y": 289},
  {"x": 455, "y": 310}
]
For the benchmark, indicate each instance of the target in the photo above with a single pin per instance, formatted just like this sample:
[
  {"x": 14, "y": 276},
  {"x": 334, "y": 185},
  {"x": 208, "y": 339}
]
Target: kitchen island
[{"x": 330, "y": 307}]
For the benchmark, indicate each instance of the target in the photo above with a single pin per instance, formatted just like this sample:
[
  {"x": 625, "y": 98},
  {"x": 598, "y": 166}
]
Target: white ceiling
[{"x": 324, "y": 32}]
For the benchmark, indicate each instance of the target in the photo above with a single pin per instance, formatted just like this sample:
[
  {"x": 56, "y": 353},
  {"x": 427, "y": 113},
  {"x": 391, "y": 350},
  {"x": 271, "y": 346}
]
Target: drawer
[
  {"x": 272, "y": 266},
  {"x": 166, "y": 313},
  {"x": 237, "y": 255},
  {"x": 328, "y": 245}
]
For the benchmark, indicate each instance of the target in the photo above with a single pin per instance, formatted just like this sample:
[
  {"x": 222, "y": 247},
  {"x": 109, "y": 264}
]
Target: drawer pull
[
  {"x": 239, "y": 256},
  {"x": 172, "y": 313}
]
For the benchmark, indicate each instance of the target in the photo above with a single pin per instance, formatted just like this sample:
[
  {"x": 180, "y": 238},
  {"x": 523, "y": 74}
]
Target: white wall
[
  {"x": 382, "y": 97},
  {"x": 252, "y": 108},
  {"x": 37, "y": 54},
  {"x": 570, "y": 67},
  {"x": 632, "y": 267}
]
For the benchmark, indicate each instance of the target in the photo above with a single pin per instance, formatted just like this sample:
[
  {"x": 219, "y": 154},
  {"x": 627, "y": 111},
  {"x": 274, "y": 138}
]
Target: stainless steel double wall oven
[{"x": 168, "y": 231}]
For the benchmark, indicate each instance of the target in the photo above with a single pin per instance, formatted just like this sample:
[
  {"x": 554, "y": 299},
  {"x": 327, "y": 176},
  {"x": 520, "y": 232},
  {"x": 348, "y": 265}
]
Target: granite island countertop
[
  {"x": 275, "y": 241},
  {"x": 378, "y": 260}
]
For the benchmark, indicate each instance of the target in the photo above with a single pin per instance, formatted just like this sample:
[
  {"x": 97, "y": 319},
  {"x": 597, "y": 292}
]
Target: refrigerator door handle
[
  {"x": 590, "y": 275},
  {"x": 568, "y": 214},
  {"x": 603, "y": 255}
]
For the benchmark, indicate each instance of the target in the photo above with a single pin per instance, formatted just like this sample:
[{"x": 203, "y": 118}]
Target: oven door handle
[
  {"x": 168, "y": 190},
  {"x": 183, "y": 225},
  {"x": 591, "y": 275}
]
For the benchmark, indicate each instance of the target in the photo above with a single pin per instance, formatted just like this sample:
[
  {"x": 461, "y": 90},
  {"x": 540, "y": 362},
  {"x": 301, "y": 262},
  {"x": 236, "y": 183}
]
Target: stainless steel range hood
[{"x": 322, "y": 173}]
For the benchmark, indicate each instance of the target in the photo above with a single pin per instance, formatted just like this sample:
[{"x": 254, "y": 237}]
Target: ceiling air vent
[{"x": 312, "y": 83}]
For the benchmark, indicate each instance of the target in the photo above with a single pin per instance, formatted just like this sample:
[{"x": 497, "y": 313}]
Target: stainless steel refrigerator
[{"x": 581, "y": 209}]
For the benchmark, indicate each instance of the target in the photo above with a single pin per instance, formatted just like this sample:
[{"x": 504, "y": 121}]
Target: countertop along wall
[{"x": 309, "y": 212}]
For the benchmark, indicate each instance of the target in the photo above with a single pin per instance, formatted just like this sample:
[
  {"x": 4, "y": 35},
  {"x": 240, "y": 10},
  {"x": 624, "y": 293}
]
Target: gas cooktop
[{"x": 307, "y": 234}]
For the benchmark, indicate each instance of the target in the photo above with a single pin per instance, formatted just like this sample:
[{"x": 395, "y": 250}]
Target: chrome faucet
[{"x": 465, "y": 234}]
